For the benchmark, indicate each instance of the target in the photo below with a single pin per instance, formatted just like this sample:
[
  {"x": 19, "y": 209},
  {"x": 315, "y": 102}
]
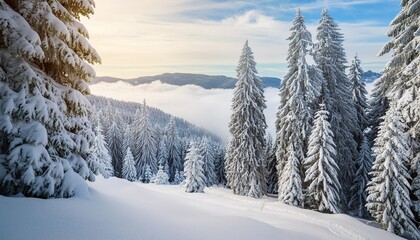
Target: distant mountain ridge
[
  {"x": 181, "y": 79},
  {"x": 205, "y": 81},
  {"x": 369, "y": 76}
]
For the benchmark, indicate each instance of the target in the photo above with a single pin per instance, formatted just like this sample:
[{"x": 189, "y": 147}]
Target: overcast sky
[{"x": 148, "y": 37}]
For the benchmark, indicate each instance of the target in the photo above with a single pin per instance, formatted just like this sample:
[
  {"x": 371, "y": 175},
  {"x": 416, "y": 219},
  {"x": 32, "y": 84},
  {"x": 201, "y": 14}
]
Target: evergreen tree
[
  {"x": 115, "y": 141},
  {"x": 389, "y": 189},
  {"x": 299, "y": 90},
  {"x": 163, "y": 154},
  {"x": 378, "y": 104},
  {"x": 272, "y": 179},
  {"x": 220, "y": 165},
  {"x": 145, "y": 142},
  {"x": 161, "y": 177},
  {"x": 174, "y": 150},
  {"x": 206, "y": 152},
  {"x": 44, "y": 66},
  {"x": 128, "y": 138},
  {"x": 100, "y": 150},
  {"x": 129, "y": 167},
  {"x": 245, "y": 153},
  {"x": 290, "y": 191},
  {"x": 195, "y": 180},
  {"x": 330, "y": 56},
  {"x": 399, "y": 87},
  {"x": 403, "y": 71},
  {"x": 358, "y": 199},
  {"x": 359, "y": 94},
  {"x": 147, "y": 174},
  {"x": 179, "y": 178},
  {"x": 321, "y": 168}
]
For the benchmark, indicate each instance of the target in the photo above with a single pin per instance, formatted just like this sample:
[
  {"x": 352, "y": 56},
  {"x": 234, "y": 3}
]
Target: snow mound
[{"x": 118, "y": 209}]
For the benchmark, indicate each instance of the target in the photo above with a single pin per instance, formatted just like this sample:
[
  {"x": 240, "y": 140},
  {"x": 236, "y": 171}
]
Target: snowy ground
[{"x": 117, "y": 209}]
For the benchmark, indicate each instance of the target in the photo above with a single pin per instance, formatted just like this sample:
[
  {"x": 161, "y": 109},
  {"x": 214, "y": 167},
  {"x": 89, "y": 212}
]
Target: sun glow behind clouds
[{"x": 137, "y": 38}]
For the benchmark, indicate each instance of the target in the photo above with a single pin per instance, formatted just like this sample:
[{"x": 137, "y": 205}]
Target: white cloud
[
  {"x": 138, "y": 38},
  {"x": 209, "y": 109}
]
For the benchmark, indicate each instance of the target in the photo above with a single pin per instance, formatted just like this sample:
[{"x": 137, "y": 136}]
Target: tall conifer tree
[
  {"x": 299, "y": 91},
  {"x": 245, "y": 153},
  {"x": 44, "y": 66},
  {"x": 330, "y": 56}
]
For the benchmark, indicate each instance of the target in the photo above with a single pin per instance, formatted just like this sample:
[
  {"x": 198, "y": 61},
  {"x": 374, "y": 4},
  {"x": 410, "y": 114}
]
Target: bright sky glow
[{"x": 148, "y": 37}]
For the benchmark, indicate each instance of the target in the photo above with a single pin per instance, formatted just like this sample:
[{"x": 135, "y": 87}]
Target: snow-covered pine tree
[
  {"x": 46, "y": 136},
  {"x": 129, "y": 168},
  {"x": 147, "y": 174},
  {"x": 101, "y": 152},
  {"x": 272, "y": 177},
  {"x": 402, "y": 75},
  {"x": 359, "y": 95},
  {"x": 378, "y": 104},
  {"x": 206, "y": 152},
  {"x": 321, "y": 168},
  {"x": 163, "y": 154},
  {"x": 330, "y": 56},
  {"x": 361, "y": 178},
  {"x": 179, "y": 177},
  {"x": 298, "y": 92},
  {"x": 388, "y": 198},
  {"x": 245, "y": 153},
  {"x": 195, "y": 180},
  {"x": 290, "y": 181},
  {"x": 220, "y": 165},
  {"x": 115, "y": 142},
  {"x": 161, "y": 177},
  {"x": 145, "y": 143},
  {"x": 128, "y": 138},
  {"x": 174, "y": 150}
]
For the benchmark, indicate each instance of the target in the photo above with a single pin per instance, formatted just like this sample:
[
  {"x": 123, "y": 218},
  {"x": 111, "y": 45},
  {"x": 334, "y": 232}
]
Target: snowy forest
[{"x": 335, "y": 150}]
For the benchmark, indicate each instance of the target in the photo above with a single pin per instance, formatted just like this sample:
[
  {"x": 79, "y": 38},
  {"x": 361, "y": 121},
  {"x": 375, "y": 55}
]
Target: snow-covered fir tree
[
  {"x": 129, "y": 168},
  {"x": 161, "y": 177},
  {"x": 195, "y": 179},
  {"x": 174, "y": 149},
  {"x": 358, "y": 199},
  {"x": 145, "y": 143},
  {"x": 272, "y": 175},
  {"x": 377, "y": 106},
  {"x": 299, "y": 90},
  {"x": 406, "y": 89},
  {"x": 359, "y": 94},
  {"x": 163, "y": 154},
  {"x": 245, "y": 153},
  {"x": 100, "y": 150},
  {"x": 322, "y": 170},
  {"x": 128, "y": 138},
  {"x": 148, "y": 174},
  {"x": 220, "y": 165},
  {"x": 290, "y": 181},
  {"x": 206, "y": 152},
  {"x": 338, "y": 99},
  {"x": 115, "y": 145},
  {"x": 44, "y": 67},
  {"x": 389, "y": 189},
  {"x": 179, "y": 177}
]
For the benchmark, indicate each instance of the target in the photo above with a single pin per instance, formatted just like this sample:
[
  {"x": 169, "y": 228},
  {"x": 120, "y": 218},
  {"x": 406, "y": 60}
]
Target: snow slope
[{"x": 118, "y": 209}]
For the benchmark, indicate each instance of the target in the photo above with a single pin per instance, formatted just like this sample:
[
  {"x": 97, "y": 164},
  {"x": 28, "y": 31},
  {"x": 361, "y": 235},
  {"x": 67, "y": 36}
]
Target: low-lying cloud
[{"x": 207, "y": 108}]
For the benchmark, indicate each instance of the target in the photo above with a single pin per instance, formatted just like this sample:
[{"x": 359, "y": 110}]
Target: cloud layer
[{"x": 209, "y": 109}]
